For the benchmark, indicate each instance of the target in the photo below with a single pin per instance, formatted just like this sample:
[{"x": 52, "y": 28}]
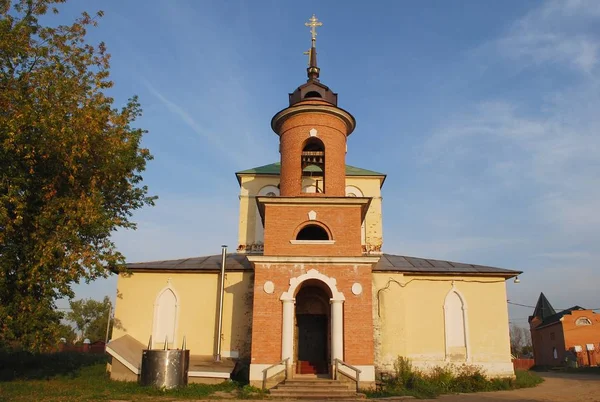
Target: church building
[{"x": 309, "y": 289}]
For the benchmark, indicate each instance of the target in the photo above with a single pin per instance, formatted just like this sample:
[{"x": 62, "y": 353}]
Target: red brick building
[{"x": 572, "y": 334}]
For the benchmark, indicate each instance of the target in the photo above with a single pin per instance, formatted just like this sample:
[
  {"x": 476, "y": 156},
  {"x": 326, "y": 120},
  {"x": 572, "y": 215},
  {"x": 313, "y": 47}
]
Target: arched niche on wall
[
  {"x": 259, "y": 230},
  {"x": 456, "y": 327},
  {"x": 166, "y": 309}
]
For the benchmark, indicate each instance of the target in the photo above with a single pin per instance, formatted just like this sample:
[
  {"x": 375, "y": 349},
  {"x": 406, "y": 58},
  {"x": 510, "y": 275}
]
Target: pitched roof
[
  {"x": 543, "y": 308},
  {"x": 234, "y": 262},
  {"x": 274, "y": 169},
  {"x": 400, "y": 263},
  {"x": 387, "y": 263},
  {"x": 554, "y": 318}
]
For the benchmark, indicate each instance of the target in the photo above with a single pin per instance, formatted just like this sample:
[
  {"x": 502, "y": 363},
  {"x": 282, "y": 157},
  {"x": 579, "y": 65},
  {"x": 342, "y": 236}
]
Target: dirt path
[{"x": 557, "y": 387}]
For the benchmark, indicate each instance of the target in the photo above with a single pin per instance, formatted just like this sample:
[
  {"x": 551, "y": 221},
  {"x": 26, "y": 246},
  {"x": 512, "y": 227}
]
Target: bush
[
  {"x": 424, "y": 387},
  {"x": 470, "y": 379},
  {"x": 407, "y": 380},
  {"x": 404, "y": 372},
  {"x": 443, "y": 377},
  {"x": 24, "y": 365}
]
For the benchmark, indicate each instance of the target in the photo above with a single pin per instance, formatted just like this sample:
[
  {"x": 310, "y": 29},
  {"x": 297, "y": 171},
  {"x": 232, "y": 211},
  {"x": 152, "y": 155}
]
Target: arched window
[
  {"x": 353, "y": 191},
  {"x": 259, "y": 230},
  {"x": 313, "y": 161},
  {"x": 312, "y": 94},
  {"x": 312, "y": 232},
  {"x": 455, "y": 327},
  {"x": 583, "y": 321},
  {"x": 165, "y": 317}
]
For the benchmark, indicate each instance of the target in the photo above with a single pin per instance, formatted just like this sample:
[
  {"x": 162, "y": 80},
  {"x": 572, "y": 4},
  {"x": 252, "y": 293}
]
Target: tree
[
  {"x": 66, "y": 331},
  {"x": 520, "y": 340},
  {"x": 70, "y": 166},
  {"x": 90, "y": 318}
]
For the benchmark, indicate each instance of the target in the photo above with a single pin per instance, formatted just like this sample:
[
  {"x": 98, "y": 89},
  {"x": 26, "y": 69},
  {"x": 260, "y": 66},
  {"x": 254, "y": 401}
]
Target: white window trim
[{"x": 312, "y": 241}]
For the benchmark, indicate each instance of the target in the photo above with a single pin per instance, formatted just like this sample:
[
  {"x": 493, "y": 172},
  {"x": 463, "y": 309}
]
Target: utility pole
[{"x": 108, "y": 319}]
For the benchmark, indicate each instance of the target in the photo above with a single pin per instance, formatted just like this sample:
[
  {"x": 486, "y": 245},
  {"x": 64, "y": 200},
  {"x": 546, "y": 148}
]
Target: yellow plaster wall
[
  {"x": 418, "y": 305},
  {"x": 370, "y": 187},
  {"x": 197, "y": 298},
  {"x": 251, "y": 185}
]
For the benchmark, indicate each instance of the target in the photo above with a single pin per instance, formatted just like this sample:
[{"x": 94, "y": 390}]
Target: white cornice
[
  {"x": 319, "y": 200},
  {"x": 341, "y": 114},
  {"x": 312, "y": 241},
  {"x": 314, "y": 260}
]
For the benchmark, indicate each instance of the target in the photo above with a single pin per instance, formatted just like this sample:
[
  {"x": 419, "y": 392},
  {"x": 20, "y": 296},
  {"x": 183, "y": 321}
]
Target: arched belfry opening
[
  {"x": 312, "y": 94},
  {"x": 312, "y": 232},
  {"x": 312, "y": 335},
  {"x": 313, "y": 162}
]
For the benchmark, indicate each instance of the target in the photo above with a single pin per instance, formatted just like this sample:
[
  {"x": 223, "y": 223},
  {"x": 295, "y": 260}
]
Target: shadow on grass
[
  {"x": 92, "y": 383},
  {"x": 32, "y": 366},
  {"x": 570, "y": 370}
]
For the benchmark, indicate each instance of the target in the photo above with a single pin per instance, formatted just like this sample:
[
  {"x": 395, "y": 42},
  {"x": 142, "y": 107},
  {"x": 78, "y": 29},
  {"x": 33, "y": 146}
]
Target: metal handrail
[
  {"x": 356, "y": 370},
  {"x": 284, "y": 361}
]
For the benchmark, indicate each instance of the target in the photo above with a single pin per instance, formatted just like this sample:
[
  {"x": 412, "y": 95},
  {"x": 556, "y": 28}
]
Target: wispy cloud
[
  {"x": 240, "y": 158},
  {"x": 555, "y": 33},
  {"x": 567, "y": 255},
  {"x": 543, "y": 147}
]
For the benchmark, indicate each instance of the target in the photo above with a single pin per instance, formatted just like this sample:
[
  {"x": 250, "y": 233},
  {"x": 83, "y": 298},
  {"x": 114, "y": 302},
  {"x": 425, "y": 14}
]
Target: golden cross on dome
[{"x": 313, "y": 23}]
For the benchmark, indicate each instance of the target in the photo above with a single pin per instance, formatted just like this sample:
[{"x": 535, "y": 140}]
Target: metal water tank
[{"x": 165, "y": 368}]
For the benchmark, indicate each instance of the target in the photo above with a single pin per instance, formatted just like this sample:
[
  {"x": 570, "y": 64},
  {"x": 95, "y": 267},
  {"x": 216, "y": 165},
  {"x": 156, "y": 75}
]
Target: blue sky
[{"x": 484, "y": 115}]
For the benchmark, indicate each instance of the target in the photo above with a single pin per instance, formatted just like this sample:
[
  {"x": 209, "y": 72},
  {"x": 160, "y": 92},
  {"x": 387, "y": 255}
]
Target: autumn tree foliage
[{"x": 70, "y": 166}]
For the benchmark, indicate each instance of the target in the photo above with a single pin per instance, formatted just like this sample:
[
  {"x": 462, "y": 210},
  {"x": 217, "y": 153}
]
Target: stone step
[
  {"x": 316, "y": 396},
  {"x": 315, "y": 389},
  {"x": 308, "y": 383},
  {"x": 319, "y": 389}
]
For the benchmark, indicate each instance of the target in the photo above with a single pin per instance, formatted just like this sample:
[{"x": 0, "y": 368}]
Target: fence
[
  {"x": 96, "y": 347},
  {"x": 523, "y": 364}
]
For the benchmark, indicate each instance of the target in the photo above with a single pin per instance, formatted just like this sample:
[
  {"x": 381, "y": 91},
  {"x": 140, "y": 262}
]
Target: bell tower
[
  {"x": 313, "y": 132},
  {"x": 312, "y": 305},
  {"x": 313, "y": 216}
]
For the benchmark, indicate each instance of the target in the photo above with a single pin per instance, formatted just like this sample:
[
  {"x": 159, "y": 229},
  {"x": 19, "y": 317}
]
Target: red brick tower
[{"x": 312, "y": 295}]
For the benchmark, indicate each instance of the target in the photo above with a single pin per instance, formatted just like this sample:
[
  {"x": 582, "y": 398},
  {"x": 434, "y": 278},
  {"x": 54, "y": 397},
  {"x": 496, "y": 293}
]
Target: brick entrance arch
[{"x": 337, "y": 314}]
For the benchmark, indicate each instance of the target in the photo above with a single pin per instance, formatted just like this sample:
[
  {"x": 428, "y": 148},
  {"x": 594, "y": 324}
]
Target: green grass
[
  {"x": 526, "y": 379},
  {"x": 90, "y": 382},
  {"x": 407, "y": 381}
]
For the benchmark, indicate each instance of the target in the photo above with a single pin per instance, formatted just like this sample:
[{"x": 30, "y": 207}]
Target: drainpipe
[{"x": 221, "y": 291}]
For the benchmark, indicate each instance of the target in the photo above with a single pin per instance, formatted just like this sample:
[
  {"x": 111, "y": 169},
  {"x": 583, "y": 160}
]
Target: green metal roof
[{"x": 275, "y": 169}]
